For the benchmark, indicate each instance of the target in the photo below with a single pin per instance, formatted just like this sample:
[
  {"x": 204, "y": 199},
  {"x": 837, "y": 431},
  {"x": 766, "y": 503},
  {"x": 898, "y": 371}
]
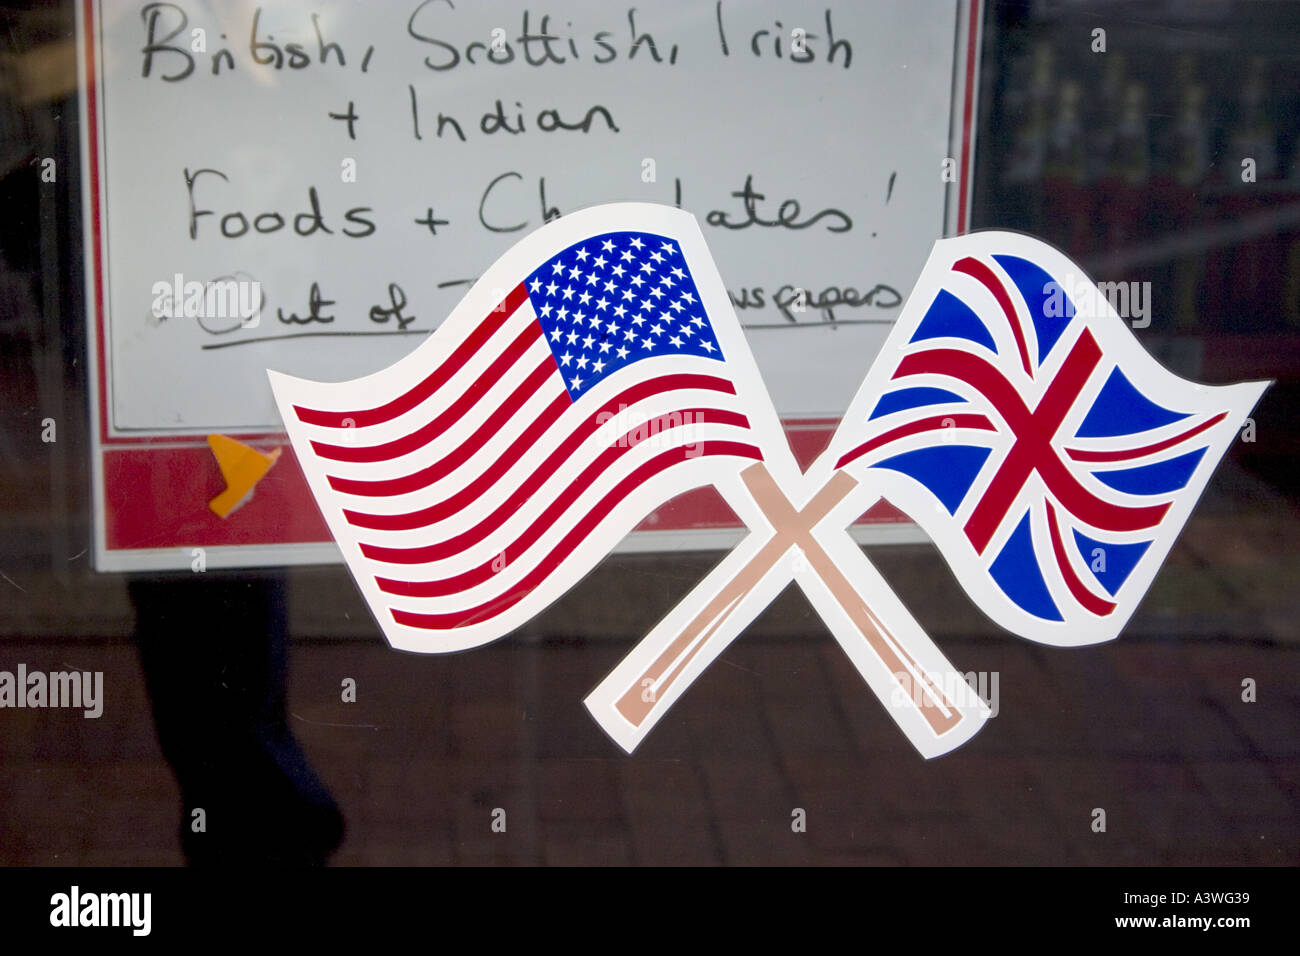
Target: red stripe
[
  {"x": 563, "y": 549},
  {"x": 1081, "y": 593},
  {"x": 983, "y": 274},
  {"x": 435, "y": 380},
  {"x": 1124, "y": 454},
  {"x": 605, "y": 460},
  {"x": 388, "y": 487},
  {"x": 912, "y": 428},
  {"x": 456, "y": 410}
]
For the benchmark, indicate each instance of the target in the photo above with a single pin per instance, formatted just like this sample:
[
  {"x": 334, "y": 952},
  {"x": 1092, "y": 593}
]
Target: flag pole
[{"x": 631, "y": 699}]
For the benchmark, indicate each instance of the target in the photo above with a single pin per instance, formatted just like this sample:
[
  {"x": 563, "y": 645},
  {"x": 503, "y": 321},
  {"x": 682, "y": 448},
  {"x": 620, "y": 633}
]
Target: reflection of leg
[{"x": 214, "y": 651}]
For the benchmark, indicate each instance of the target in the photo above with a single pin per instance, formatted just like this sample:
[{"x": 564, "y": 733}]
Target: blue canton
[{"x": 606, "y": 302}]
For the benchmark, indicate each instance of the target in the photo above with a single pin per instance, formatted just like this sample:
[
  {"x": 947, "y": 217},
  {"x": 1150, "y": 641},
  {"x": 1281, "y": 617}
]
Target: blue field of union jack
[{"x": 1013, "y": 414}]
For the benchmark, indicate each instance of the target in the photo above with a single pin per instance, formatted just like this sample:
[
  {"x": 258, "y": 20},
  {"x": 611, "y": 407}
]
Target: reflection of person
[
  {"x": 213, "y": 646},
  {"x": 214, "y": 650}
]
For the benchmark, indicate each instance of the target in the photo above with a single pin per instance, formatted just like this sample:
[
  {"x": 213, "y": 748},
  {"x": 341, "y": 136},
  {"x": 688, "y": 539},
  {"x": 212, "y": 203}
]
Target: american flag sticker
[{"x": 593, "y": 373}]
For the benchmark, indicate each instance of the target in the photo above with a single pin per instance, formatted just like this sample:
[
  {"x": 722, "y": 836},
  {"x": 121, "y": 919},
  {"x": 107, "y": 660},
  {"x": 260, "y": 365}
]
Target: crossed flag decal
[{"x": 598, "y": 369}]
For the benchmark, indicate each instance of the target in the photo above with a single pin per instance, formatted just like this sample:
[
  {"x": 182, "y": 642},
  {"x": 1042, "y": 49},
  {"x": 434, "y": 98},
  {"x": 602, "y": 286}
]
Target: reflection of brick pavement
[
  {"x": 1150, "y": 727},
  {"x": 1152, "y": 731},
  {"x": 1186, "y": 772}
]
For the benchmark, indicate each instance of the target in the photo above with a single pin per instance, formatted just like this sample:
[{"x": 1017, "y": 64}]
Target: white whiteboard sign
[{"x": 354, "y": 167}]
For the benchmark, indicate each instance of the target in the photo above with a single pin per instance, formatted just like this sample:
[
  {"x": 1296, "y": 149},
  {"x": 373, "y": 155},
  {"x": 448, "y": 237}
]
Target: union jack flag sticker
[{"x": 1015, "y": 417}]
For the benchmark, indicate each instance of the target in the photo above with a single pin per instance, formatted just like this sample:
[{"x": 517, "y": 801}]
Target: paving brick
[
  {"x": 670, "y": 820},
  {"x": 662, "y": 788},
  {"x": 579, "y": 791},
  {"x": 404, "y": 845},
  {"x": 906, "y": 786},
  {"x": 1000, "y": 811},
  {"x": 486, "y": 726},
  {"x": 752, "y": 804},
  {"x": 786, "y": 669},
  {"x": 719, "y": 730},
  {"x": 1244, "y": 790},
  {"x": 473, "y": 842},
  {"x": 587, "y": 844},
  {"x": 559, "y": 726},
  {"x": 401, "y": 793},
  {"x": 664, "y": 842},
  {"x": 813, "y": 725},
  {"x": 1268, "y": 725},
  {"x": 936, "y": 842},
  {"x": 1287, "y": 773},
  {"x": 838, "y": 804},
  {"x": 1156, "y": 669},
  {"x": 1169, "y": 817}
]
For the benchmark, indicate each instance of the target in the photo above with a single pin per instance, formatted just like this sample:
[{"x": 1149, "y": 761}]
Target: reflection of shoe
[
  {"x": 265, "y": 805},
  {"x": 214, "y": 650},
  {"x": 305, "y": 835}
]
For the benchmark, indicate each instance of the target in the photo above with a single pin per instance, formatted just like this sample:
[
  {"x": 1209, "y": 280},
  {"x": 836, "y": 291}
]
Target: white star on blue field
[{"x": 608, "y": 301}]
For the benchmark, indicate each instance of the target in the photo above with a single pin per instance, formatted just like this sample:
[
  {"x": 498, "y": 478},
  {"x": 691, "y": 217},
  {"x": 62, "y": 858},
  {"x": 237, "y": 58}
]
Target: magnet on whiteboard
[{"x": 242, "y": 467}]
